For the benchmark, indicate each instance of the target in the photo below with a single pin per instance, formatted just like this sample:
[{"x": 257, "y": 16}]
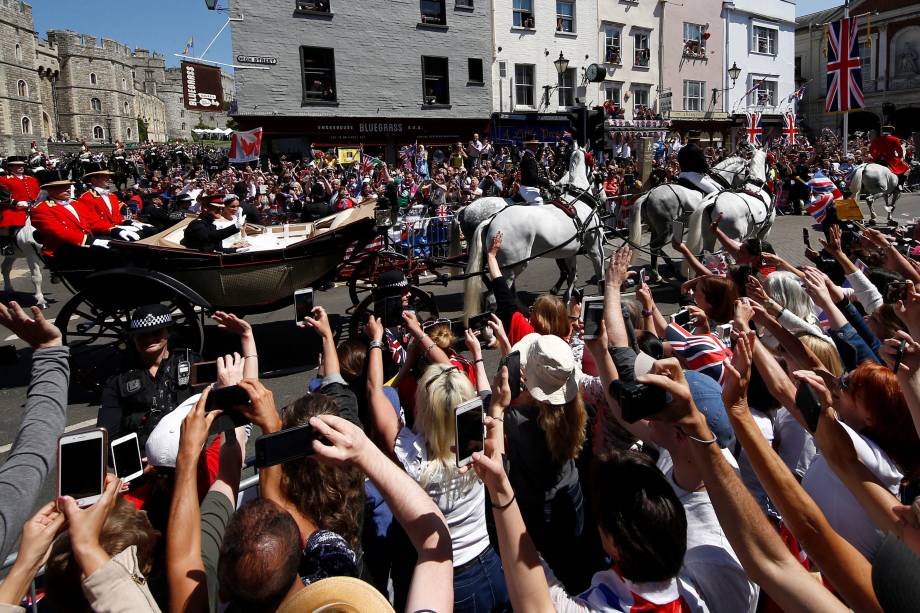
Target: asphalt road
[{"x": 288, "y": 351}]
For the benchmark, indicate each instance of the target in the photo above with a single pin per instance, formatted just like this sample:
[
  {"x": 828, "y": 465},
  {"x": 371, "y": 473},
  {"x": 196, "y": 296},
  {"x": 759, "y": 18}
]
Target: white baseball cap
[
  {"x": 549, "y": 368},
  {"x": 162, "y": 445}
]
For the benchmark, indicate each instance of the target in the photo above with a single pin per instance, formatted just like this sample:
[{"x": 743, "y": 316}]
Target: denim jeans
[{"x": 479, "y": 585}]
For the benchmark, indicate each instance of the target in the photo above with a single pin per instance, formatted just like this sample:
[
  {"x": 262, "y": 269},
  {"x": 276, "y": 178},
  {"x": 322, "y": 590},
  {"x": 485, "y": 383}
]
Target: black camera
[{"x": 638, "y": 400}]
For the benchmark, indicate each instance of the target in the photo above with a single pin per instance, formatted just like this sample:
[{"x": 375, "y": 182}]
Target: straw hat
[{"x": 337, "y": 595}]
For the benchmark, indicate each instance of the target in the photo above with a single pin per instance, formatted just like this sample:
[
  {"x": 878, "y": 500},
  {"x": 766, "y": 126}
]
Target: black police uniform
[
  {"x": 532, "y": 174},
  {"x": 133, "y": 401},
  {"x": 691, "y": 158},
  {"x": 203, "y": 235}
]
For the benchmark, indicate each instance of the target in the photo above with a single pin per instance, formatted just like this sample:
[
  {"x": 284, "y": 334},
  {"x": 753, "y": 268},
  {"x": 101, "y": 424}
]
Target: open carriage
[{"x": 261, "y": 277}]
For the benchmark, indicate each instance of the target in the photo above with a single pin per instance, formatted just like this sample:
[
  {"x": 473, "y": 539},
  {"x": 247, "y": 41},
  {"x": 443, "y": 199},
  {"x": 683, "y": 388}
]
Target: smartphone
[
  {"x": 478, "y": 322},
  {"x": 513, "y": 362},
  {"x": 861, "y": 266},
  {"x": 470, "y": 430},
  {"x": 724, "y": 332},
  {"x": 677, "y": 230},
  {"x": 303, "y": 305},
  {"x": 263, "y": 189},
  {"x": 227, "y": 399},
  {"x": 805, "y": 238},
  {"x": 638, "y": 400},
  {"x": 8, "y": 355},
  {"x": 126, "y": 457},
  {"x": 203, "y": 373},
  {"x": 643, "y": 277},
  {"x": 681, "y": 318},
  {"x": 807, "y": 400},
  {"x": 897, "y": 290},
  {"x": 390, "y": 312},
  {"x": 285, "y": 445},
  {"x": 81, "y": 465},
  {"x": 592, "y": 314},
  {"x": 899, "y": 355}
]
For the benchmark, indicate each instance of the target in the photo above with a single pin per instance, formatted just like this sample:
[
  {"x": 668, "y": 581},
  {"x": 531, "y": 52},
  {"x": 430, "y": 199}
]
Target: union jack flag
[
  {"x": 790, "y": 132},
  {"x": 704, "y": 353},
  {"x": 754, "y": 130},
  {"x": 844, "y": 67},
  {"x": 823, "y": 194},
  {"x": 798, "y": 94}
]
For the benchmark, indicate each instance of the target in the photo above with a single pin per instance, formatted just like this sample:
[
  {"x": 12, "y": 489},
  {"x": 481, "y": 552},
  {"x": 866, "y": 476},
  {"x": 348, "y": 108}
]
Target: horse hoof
[
  {"x": 654, "y": 276},
  {"x": 593, "y": 280},
  {"x": 554, "y": 291},
  {"x": 42, "y": 305},
  {"x": 871, "y": 222}
]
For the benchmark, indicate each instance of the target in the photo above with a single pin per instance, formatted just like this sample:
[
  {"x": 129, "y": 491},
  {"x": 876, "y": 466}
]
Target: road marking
[{"x": 70, "y": 428}]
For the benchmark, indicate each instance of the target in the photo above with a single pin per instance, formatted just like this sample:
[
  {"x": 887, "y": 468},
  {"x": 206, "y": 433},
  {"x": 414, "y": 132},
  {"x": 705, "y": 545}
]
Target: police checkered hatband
[{"x": 151, "y": 321}]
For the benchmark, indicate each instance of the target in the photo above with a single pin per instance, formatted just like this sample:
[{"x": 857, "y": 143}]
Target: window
[
  {"x": 613, "y": 92},
  {"x": 503, "y": 69},
  {"x": 18, "y": 52},
  {"x": 435, "y": 86},
  {"x": 182, "y": 113},
  {"x": 125, "y": 106},
  {"x": 865, "y": 56},
  {"x": 26, "y": 125},
  {"x": 148, "y": 75},
  {"x": 463, "y": 4},
  {"x": 565, "y": 15},
  {"x": 641, "y": 53},
  {"x": 798, "y": 67},
  {"x": 434, "y": 12},
  {"x": 96, "y": 105},
  {"x": 764, "y": 40},
  {"x": 318, "y": 65},
  {"x": 129, "y": 132},
  {"x": 183, "y": 126},
  {"x": 313, "y": 6},
  {"x": 22, "y": 88},
  {"x": 523, "y": 14},
  {"x": 524, "y": 84},
  {"x": 694, "y": 43},
  {"x": 763, "y": 92},
  {"x": 640, "y": 98},
  {"x": 98, "y": 132},
  {"x": 133, "y": 74},
  {"x": 474, "y": 70},
  {"x": 567, "y": 88},
  {"x": 124, "y": 83},
  {"x": 92, "y": 78},
  {"x": 613, "y": 45},
  {"x": 694, "y": 92}
]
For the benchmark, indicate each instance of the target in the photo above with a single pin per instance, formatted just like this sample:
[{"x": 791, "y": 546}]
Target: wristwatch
[
  {"x": 648, "y": 312},
  {"x": 375, "y": 345}
]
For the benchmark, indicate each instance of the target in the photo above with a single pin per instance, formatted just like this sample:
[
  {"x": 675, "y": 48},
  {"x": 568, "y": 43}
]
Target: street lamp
[
  {"x": 561, "y": 64},
  {"x": 211, "y": 4},
  {"x": 734, "y": 72}
]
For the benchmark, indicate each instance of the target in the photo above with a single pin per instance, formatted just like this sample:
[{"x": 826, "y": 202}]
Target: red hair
[{"x": 890, "y": 424}]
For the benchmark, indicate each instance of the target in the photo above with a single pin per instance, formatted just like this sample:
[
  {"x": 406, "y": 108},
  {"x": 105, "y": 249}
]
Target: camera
[{"x": 638, "y": 400}]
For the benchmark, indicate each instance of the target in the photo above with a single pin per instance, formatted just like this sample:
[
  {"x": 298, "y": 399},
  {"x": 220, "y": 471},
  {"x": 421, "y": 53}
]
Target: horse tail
[
  {"x": 695, "y": 230},
  {"x": 856, "y": 181},
  {"x": 472, "y": 286},
  {"x": 635, "y": 222}
]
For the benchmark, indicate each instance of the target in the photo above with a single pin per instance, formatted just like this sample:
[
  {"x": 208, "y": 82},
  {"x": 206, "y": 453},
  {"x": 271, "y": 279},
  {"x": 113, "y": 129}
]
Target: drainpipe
[
  {"x": 664, "y": 3},
  {"x": 726, "y": 94}
]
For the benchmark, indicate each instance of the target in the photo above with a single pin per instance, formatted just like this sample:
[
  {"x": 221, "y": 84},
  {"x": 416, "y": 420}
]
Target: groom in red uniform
[
  {"x": 100, "y": 198},
  {"x": 23, "y": 190},
  {"x": 886, "y": 150}
]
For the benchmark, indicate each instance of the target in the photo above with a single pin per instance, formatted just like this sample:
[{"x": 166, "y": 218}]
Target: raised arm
[
  {"x": 320, "y": 323},
  {"x": 432, "y": 586},
  {"x": 384, "y": 420},
  {"x": 482, "y": 379},
  {"x": 617, "y": 267},
  {"x": 435, "y": 354},
  {"x": 241, "y": 327}
]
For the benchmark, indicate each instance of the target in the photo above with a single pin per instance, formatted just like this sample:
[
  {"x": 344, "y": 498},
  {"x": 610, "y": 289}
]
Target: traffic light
[
  {"x": 577, "y": 123},
  {"x": 595, "y": 128}
]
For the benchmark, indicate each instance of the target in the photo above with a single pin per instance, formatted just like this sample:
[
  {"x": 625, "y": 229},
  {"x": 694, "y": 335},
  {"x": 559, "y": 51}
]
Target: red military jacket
[
  {"x": 107, "y": 206},
  {"x": 887, "y": 150},
  {"x": 24, "y": 188},
  {"x": 57, "y": 226}
]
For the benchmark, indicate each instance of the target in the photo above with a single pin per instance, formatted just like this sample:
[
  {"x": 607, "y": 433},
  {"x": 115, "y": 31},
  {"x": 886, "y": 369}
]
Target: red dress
[
  {"x": 57, "y": 226},
  {"x": 107, "y": 206},
  {"x": 22, "y": 188},
  {"x": 887, "y": 150}
]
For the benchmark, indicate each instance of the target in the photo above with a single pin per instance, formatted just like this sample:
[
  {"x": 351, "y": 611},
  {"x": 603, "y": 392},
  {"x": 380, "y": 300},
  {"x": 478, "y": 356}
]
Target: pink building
[{"x": 693, "y": 66}]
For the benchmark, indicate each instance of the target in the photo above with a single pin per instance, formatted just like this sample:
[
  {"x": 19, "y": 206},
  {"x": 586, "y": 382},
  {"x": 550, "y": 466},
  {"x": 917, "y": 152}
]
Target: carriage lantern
[
  {"x": 734, "y": 72},
  {"x": 562, "y": 64}
]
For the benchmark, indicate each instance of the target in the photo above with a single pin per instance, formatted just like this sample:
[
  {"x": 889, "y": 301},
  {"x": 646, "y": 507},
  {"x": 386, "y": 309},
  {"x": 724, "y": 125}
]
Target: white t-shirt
[
  {"x": 793, "y": 443},
  {"x": 710, "y": 564},
  {"x": 842, "y": 510},
  {"x": 464, "y": 509},
  {"x": 765, "y": 423}
]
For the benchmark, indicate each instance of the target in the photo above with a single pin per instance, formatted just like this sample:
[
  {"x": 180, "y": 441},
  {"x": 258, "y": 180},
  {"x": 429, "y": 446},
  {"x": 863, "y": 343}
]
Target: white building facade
[
  {"x": 628, "y": 46},
  {"x": 760, "y": 40}
]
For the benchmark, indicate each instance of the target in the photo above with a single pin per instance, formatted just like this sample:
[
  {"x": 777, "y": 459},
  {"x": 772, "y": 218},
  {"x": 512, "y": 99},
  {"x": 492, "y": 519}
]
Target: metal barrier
[{"x": 245, "y": 484}]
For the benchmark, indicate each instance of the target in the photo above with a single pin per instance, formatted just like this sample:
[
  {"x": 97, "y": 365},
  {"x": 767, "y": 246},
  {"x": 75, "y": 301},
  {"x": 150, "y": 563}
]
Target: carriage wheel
[
  {"x": 363, "y": 279},
  {"x": 420, "y": 301},
  {"x": 95, "y": 331}
]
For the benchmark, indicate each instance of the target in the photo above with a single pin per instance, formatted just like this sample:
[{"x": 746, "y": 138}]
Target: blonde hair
[
  {"x": 825, "y": 351},
  {"x": 440, "y": 389},
  {"x": 442, "y": 336}
]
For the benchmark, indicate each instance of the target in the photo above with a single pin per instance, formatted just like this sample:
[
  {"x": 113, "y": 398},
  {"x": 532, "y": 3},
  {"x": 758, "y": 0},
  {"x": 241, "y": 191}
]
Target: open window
[{"x": 435, "y": 81}]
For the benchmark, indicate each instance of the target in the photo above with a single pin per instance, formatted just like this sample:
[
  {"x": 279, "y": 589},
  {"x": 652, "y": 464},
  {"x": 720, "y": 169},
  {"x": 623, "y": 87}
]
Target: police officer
[{"x": 155, "y": 382}]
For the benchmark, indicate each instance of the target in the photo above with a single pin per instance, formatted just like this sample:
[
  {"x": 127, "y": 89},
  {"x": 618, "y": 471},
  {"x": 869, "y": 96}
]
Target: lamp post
[
  {"x": 733, "y": 73},
  {"x": 561, "y": 64}
]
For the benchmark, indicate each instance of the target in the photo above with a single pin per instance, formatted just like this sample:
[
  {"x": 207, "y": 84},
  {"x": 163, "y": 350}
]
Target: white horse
[
  {"x": 25, "y": 245},
  {"x": 664, "y": 204},
  {"x": 469, "y": 218},
  {"x": 745, "y": 214},
  {"x": 536, "y": 231},
  {"x": 875, "y": 179}
]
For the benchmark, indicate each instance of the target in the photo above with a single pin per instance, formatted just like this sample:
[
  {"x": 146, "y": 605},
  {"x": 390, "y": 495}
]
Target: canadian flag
[{"x": 245, "y": 146}]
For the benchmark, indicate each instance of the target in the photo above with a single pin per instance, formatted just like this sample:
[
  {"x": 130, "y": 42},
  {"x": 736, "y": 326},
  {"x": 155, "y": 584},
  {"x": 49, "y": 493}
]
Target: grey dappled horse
[{"x": 874, "y": 180}]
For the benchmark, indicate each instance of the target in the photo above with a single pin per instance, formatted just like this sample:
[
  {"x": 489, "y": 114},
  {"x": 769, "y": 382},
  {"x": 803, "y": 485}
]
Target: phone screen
[
  {"x": 82, "y": 469},
  {"x": 127, "y": 455},
  {"x": 470, "y": 433},
  {"x": 682, "y": 317},
  {"x": 513, "y": 362},
  {"x": 285, "y": 446},
  {"x": 593, "y": 314},
  {"x": 204, "y": 373},
  {"x": 807, "y": 401},
  {"x": 477, "y": 322},
  {"x": 805, "y": 237},
  {"x": 391, "y": 311},
  {"x": 303, "y": 305}
]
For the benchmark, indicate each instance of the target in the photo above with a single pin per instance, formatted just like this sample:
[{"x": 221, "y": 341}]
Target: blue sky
[
  {"x": 157, "y": 25},
  {"x": 166, "y": 25}
]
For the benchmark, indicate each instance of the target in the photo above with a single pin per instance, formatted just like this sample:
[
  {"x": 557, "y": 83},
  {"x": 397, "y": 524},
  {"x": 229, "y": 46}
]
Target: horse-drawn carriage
[{"x": 108, "y": 283}]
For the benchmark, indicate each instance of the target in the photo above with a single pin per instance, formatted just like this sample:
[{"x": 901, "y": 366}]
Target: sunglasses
[
  {"x": 431, "y": 323},
  {"x": 439, "y": 375}
]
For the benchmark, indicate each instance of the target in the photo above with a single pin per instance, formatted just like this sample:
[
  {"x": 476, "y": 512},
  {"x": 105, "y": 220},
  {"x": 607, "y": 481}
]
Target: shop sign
[
  {"x": 712, "y": 115},
  {"x": 257, "y": 59}
]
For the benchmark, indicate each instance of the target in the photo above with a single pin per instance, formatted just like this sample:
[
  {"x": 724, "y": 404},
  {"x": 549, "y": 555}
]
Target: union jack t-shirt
[
  {"x": 703, "y": 353},
  {"x": 611, "y": 593}
]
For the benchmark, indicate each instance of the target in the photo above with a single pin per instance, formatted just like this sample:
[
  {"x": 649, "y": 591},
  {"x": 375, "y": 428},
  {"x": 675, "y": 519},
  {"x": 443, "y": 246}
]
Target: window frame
[
  {"x": 647, "y": 90},
  {"x": 637, "y": 49},
  {"x": 694, "y": 43},
  {"x": 531, "y": 86},
  {"x": 95, "y": 104},
  {"x": 329, "y": 70},
  {"x": 22, "y": 88},
  {"x": 469, "y": 73},
  {"x": 17, "y": 53},
  {"x": 561, "y": 18},
  {"x": 93, "y": 79},
  {"x": 426, "y": 78},
  {"x": 617, "y": 86},
  {"x": 608, "y": 54},
  {"x": 700, "y": 99},
  {"x": 300, "y": 7},
  {"x": 440, "y": 20},
  {"x": 101, "y": 132},
  {"x": 25, "y": 125},
  {"x": 519, "y": 16},
  {"x": 771, "y": 40},
  {"x": 754, "y": 96},
  {"x": 465, "y": 5},
  {"x": 565, "y": 87}
]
